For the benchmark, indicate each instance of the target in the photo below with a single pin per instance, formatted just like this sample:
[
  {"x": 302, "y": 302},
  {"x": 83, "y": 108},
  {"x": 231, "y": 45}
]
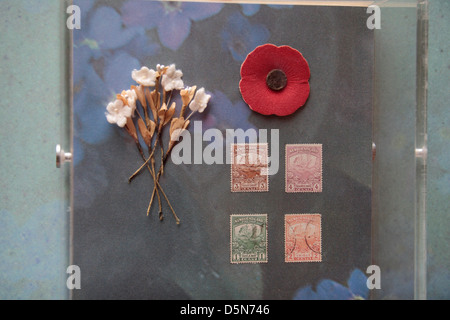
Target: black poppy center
[{"x": 276, "y": 80}]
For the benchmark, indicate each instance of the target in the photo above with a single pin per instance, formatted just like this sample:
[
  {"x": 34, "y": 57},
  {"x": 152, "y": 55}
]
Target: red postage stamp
[
  {"x": 303, "y": 168},
  {"x": 249, "y": 167},
  {"x": 303, "y": 238}
]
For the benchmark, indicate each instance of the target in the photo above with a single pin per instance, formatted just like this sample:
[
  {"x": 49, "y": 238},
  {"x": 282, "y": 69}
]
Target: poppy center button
[{"x": 276, "y": 80}]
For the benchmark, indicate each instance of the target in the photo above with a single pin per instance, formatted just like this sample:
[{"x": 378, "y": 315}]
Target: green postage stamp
[{"x": 248, "y": 238}]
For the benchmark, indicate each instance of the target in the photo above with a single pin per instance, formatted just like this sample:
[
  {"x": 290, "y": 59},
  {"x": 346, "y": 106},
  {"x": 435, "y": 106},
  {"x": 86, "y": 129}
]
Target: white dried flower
[
  {"x": 131, "y": 97},
  {"x": 200, "y": 101},
  {"x": 118, "y": 113},
  {"x": 145, "y": 76},
  {"x": 171, "y": 79},
  {"x": 160, "y": 68},
  {"x": 187, "y": 95}
]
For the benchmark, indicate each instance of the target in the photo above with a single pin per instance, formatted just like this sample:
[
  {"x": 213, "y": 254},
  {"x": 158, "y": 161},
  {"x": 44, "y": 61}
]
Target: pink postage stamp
[
  {"x": 249, "y": 167},
  {"x": 303, "y": 168},
  {"x": 303, "y": 238}
]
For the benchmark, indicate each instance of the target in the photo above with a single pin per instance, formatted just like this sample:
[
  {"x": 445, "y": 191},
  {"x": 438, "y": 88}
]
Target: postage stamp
[
  {"x": 248, "y": 238},
  {"x": 303, "y": 238},
  {"x": 303, "y": 168},
  {"x": 249, "y": 167}
]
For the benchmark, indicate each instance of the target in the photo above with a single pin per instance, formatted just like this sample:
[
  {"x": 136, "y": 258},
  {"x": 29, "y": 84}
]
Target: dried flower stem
[
  {"x": 183, "y": 110},
  {"x": 164, "y": 96},
  {"x": 158, "y": 140},
  {"x": 139, "y": 115},
  {"x": 146, "y": 161},
  {"x": 160, "y": 172},
  {"x": 157, "y": 185},
  {"x": 155, "y": 190},
  {"x": 155, "y": 179},
  {"x": 153, "y": 175},
  {"x": 192, "y": 113},
  {"x": 162, "y": 158},
  {"x": 152, "y": 172},
  {"x": 168, "y": 202},
  {"x": 170, "y": 98}
]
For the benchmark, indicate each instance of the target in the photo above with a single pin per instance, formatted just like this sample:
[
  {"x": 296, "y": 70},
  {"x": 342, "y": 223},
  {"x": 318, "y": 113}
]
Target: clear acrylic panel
[{"x": 367, "y": 108}]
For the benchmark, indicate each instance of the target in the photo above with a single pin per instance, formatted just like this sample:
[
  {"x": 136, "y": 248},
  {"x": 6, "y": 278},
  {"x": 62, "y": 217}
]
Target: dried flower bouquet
[{"x": 153, "y": 96}]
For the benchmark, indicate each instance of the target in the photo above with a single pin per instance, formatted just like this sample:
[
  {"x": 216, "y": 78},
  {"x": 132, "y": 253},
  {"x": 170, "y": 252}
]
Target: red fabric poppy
[{"x": 275, "y": 80}]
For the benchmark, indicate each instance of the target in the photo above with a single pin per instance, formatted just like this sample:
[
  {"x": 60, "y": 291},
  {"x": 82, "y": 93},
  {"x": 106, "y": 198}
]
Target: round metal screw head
[{"x": 61, "y": 156}]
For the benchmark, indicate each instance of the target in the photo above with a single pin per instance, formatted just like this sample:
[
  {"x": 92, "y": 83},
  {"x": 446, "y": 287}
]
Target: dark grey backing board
[{"x": 123, "y": 254}]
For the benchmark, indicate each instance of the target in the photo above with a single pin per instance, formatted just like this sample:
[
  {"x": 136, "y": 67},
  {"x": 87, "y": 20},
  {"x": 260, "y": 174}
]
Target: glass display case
[{"x": 335, "y": 209}]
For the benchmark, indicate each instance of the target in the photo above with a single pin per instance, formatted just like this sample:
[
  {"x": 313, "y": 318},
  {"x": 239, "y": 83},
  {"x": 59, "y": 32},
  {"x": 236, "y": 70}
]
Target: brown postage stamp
[
  {"x": 303, "y": 238},
  {"x": 303, "y": 168},
  {"x": 249, "y": 167},
  {"x": 248, "y": 238}
]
